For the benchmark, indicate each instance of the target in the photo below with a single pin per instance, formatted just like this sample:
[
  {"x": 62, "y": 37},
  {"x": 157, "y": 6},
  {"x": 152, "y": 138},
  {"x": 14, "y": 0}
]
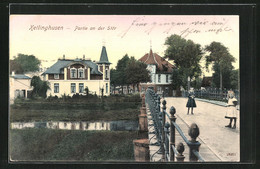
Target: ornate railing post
[
  {"x": 159, "y": 102},
  {"x": 160, "y": 132},
  {"x": 194, "y": 145},
  {"x": 180, "y": 148},
  {"x": 154, "y": 99},
  {"x": 172, "y": 132},
  {"x": 157, "y": 109},
  {"x": 166, "y": 130},
  {"x": 163, "y": 134}
]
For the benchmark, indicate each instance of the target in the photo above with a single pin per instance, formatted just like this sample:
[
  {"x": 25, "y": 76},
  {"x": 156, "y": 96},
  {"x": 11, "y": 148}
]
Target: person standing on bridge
[
  {"x": 231, "y": 109},
  {"x": 191, "y": 102}
]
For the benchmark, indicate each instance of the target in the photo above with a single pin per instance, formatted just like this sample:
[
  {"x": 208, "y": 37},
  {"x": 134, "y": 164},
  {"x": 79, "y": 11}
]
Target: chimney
[
  {"x": 13, "y": 73},
  {"x": 63, "y": 57},
  {"x": 83, "y": 57}
]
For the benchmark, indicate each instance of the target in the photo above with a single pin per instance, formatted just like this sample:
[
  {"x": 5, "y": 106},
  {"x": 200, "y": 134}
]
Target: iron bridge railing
[{"x": 165, "y": 131}]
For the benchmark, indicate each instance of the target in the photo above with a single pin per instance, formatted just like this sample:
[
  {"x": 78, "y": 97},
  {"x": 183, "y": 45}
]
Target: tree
[
  {"x": 27, "y": 63},
  {"x": 136, "y": 73},
  {"x": 16, "y": 67},
  {"x": 197, "y": 83},
  {"x": 222, "y": 60},
  {"x": 121, "y": 71},
  {"x": 118, "y": 75},
  {"x": 186, "y": 55},
  {"x": 226, "y": 76},
  {"x": 115, "y": 78},
  {"x": 39, "y": 87},
  {"x": 43, "y": 89},
  {"x": 36, "y": 84},
  {"x": 177, "y": 81},
  {"x": 234, "y": 79}
]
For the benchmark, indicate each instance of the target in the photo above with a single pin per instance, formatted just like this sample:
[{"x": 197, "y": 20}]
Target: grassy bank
[
  {"x": 28, "y": 114},
  {"x": 76, "y": 109},
  {"x": 46, "y": 144}
]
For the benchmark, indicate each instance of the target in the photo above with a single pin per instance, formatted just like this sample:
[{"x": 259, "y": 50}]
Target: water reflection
[{"x": 103, "y": 125}]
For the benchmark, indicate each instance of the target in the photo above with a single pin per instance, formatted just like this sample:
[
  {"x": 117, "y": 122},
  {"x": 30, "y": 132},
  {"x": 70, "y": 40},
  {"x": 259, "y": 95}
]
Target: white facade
[
  {"x": 18, "y": 87},
  {"x": 69, "y": 77},
  {"x": 94, "y": 86},
  {"x": 163, "y": 79},
  {"x": 158, "y": 78},
  {"x": 76, "y": 84}
]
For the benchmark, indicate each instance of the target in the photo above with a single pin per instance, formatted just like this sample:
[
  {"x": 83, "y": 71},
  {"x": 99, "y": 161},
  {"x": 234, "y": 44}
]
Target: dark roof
[
  {"x": 56, "y": 68},
  {"x": 103, "y": 56},
  {"x": 20, "y": 76},
  {"x": 154, "y": 59}
]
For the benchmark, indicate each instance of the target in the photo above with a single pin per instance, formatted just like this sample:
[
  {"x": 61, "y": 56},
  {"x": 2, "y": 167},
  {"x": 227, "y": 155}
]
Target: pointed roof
[
  {"x": 103, "y": 57},
  {"x": 150, "y": 60},
  {"x": 154, "y": 59}
]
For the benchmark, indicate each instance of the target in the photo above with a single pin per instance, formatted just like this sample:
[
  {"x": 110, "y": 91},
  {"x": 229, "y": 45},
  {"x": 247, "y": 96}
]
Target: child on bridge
[
  {"x": 191, "y": 102},
  {"x": 231, "y": 109}
]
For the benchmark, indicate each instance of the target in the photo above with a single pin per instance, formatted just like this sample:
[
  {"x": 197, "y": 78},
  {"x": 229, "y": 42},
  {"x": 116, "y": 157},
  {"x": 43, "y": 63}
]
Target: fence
[
  {"x": 165, "y": 131},
  {"x": 215, "y": 94}
]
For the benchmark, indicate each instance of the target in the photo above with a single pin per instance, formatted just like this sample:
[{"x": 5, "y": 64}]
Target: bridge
[{"x": 175, "y": 136}]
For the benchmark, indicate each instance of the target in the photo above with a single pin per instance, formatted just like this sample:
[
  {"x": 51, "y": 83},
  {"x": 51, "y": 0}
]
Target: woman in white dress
[{"x": 231, "y": 109}]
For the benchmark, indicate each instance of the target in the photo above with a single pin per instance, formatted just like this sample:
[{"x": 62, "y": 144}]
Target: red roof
[{"x": 154, "y": 59}]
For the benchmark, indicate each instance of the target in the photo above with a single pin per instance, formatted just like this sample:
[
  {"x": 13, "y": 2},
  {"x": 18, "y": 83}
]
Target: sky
[{"x": 49, "y": 37}]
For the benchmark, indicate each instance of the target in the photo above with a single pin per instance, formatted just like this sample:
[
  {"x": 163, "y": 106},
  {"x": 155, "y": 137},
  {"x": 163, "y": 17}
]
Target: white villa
[
  {"x": 19, "y": 85},
  {"x": 73, "y": 76},
  {"x": 160, "y": 72}
]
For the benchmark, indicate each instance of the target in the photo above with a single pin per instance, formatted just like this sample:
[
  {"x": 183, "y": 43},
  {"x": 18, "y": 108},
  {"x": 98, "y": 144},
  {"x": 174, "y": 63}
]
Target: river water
[{"x": 123, "y": 125}]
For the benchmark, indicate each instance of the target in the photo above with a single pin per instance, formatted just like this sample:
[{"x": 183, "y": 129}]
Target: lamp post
[{"x": 188, "y": 83}]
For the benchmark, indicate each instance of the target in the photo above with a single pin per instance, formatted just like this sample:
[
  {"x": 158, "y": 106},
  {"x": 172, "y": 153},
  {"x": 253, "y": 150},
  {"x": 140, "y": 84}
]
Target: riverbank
[
  {"x": 57, "y": 145},
  {"x": 81, "y": 128},
  {"x": 112, "y": 108}
]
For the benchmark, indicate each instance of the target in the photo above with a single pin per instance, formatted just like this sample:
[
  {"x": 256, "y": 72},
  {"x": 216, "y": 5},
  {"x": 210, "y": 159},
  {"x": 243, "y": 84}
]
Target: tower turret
[{"x": 103, "y": 64}]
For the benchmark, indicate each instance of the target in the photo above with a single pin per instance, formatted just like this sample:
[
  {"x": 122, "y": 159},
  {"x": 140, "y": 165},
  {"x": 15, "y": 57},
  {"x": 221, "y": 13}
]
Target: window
[
  {"x": 17, "y": 93},
  {"x": 73, "y": 87},
  {"x": 106, "y": 88},
  {"x": 159, "y": 78},
  {"x": 106, "y": 74},
  {"x": 81, "y": 88},
  {"x": 81, "y": 73},
  {"x": 73, "y": 73},
  {"x": 167, "y": 79},
  {"x": 56, "y": 76},
  {"x": 56, "y": 87},
  {"x": 159, "y": 89}
]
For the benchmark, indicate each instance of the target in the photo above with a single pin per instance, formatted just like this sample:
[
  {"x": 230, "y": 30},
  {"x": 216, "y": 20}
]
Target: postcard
[{"x": 124, "y": 88}]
